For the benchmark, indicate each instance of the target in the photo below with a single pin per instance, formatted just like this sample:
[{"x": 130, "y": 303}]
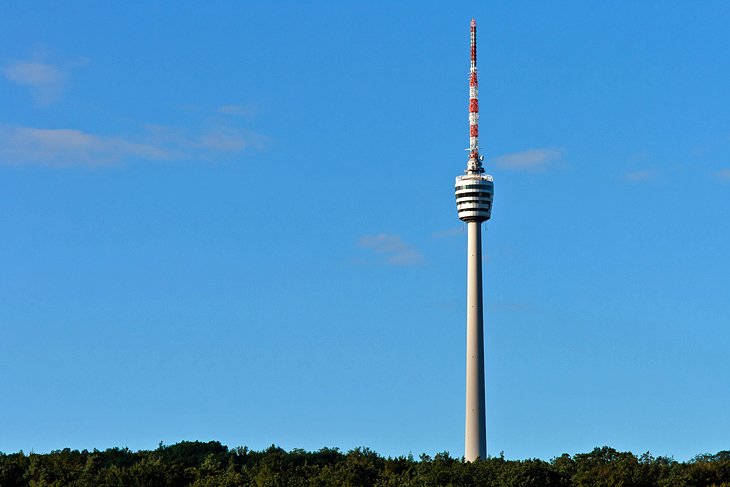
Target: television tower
[{"x": 474, "y": 194}]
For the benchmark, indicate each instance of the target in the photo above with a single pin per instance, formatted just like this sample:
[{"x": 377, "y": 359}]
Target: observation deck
[{"x": 474, "y": 195}]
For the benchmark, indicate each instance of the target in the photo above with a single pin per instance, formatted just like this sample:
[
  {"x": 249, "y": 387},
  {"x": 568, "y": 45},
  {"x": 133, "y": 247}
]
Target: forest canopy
[{"x": 195, "y": 463}]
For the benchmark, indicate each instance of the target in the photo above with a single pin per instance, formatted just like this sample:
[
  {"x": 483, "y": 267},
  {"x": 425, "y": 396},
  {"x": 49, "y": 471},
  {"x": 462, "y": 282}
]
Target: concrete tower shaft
[
  {"x": 475, "y": 433},
  {"x": 474, "y": 195}
]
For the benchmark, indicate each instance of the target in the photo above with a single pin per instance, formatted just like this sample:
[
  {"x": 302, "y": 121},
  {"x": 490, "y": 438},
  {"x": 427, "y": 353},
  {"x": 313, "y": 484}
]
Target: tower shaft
[{"x": 475, "y": 435}]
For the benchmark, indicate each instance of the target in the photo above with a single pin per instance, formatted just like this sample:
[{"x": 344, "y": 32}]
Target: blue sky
[{"x": 237, "y": 223}]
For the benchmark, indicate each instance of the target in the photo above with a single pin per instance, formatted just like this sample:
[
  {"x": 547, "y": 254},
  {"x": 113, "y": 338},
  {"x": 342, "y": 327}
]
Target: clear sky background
[{"x": 237, "y": 222}]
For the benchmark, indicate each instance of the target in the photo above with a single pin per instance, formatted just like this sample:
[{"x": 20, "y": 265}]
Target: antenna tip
[{"x": 473, "y": 22}]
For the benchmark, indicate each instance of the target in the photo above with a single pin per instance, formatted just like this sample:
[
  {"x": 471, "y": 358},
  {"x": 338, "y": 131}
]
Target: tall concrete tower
[{"x": 474, "y": 194}]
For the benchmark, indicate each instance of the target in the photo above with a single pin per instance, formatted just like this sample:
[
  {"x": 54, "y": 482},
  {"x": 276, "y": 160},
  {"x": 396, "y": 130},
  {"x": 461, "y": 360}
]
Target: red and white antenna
[{"x": 475, "y": 159}]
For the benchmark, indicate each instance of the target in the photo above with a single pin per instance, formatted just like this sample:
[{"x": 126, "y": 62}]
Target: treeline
[{"x": 212, "y": 464}]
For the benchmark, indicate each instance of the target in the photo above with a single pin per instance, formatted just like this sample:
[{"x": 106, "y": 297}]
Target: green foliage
[{"x": 200, "y": 464}]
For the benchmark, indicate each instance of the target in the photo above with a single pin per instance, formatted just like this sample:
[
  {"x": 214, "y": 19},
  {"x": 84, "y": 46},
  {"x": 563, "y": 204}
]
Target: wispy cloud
[
  {"x": 233, "y": 109},
  {"x": 393, "y": 248},
  {"x": 722, "y": 175},
  {"x": 640, "y": 176},
  {"x": 66, "y": 147},
  {"x": 228, "y": 139},
  {"x": 46, "y": 81},
  {"x": 532, "y": 160},
  {"x": 451, "y": 232}
]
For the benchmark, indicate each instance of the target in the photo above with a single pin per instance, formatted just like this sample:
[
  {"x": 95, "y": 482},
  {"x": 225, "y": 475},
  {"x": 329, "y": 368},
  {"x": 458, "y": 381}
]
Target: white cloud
[
  {"x": 533, "y": 160},
  {"x": 233, "y": 109},
  {"x": 451, "y": 232},
  {"x": 46, "y": 81},
  {"x": 228, "y": 139},
  {"x": 640, "y": 176},
  {"x": 722, "y": 174},
  {"x": 393, "y": 248},
  {"x": 70, "y": 147}
]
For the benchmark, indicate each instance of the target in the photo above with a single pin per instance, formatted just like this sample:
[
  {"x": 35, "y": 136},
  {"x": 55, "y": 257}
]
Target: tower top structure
[{"x": 474, "y": 190}]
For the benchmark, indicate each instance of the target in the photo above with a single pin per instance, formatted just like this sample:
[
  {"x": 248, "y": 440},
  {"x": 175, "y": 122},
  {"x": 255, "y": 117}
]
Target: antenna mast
[{"x": 474, "y": 165}]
